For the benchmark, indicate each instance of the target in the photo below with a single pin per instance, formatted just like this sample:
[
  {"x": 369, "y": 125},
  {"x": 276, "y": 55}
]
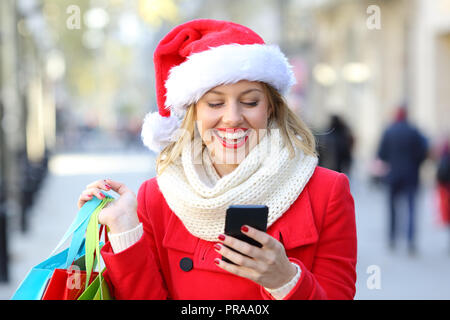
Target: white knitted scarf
[{"x": 200, "y": 197}]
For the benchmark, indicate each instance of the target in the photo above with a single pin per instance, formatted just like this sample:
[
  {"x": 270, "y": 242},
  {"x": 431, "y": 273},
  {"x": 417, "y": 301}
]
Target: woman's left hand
[{"x": 267, "y": 266}]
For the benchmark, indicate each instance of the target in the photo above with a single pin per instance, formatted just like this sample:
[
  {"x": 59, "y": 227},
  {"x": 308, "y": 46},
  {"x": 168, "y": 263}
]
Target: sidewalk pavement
[{"x": 382, "y": 274}]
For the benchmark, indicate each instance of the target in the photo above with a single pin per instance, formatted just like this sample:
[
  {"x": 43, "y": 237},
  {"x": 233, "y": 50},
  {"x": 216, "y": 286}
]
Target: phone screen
[{"x": 252, "y": 215}]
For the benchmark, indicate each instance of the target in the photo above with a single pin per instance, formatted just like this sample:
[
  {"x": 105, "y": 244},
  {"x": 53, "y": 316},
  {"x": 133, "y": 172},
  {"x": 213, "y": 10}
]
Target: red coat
[{"x": 318, "y": 232}]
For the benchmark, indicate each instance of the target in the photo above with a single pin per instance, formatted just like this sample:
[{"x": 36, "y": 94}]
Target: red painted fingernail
[
  {"x": 244, "y": 229},
  {"x": 107, "y": 186},
  {"x": 102, "y": 195},
  {"x": 216, "y": 260},
  {"x": 221, "y": 237},
  {"x": 217, "y": 246}
]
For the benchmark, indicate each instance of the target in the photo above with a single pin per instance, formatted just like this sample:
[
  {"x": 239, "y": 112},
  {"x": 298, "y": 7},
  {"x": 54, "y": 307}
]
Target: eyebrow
[{"x": 242, "y": 93}]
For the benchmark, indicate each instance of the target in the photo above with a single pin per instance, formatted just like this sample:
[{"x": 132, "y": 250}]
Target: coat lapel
[{"x": 177, "y": 237}]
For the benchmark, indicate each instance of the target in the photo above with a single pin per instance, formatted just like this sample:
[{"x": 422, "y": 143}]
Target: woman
[{"x": 238, "y": 143}]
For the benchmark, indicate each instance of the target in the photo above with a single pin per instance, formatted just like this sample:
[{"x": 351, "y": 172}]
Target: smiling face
[{"x": 232, "y": 119}]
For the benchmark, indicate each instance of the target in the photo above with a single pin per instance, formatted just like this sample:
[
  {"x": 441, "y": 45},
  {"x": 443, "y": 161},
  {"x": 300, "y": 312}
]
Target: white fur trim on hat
[
  {"x": 226, "y": 64},
  {"x": 157, "y": 130}
]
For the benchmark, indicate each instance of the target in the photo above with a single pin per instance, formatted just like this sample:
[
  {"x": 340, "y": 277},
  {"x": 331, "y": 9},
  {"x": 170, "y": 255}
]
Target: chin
[{"x": 222, "y": 155}]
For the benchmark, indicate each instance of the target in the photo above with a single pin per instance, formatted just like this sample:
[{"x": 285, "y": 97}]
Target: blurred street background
[{"x": 76, "y": 80}]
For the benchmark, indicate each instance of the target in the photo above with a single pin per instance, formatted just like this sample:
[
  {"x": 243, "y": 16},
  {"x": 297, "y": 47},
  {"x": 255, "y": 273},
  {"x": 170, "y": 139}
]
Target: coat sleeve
[
  {"x": 135, "y": 273},
  {"x": 333, "y": 274}
]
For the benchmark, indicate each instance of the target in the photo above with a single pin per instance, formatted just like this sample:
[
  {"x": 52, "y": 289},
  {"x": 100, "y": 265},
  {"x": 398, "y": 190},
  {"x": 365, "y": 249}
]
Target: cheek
[
  {"x": 205, "y": 122},
  {"x": 258, "y": 117}
]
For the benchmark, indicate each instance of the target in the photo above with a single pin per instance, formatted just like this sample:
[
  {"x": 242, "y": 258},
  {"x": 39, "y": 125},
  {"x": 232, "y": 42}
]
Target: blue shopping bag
[{"x": 35, "y": 282}]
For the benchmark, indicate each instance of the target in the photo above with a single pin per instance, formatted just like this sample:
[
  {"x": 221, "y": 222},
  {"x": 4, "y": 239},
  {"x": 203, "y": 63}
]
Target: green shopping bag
[
  {"x": 96, "y": 292},
  {"x": 98, "y": 289}
]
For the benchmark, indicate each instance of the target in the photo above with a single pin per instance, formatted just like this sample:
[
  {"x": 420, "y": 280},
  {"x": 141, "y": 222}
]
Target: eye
[
  {"x": 252, "y": 104},
  {"x": 214, "y": 105}
]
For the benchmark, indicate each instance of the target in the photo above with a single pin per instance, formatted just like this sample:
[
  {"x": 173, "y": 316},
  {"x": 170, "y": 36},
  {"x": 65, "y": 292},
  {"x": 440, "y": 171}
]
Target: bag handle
[
  {"x": 78, "y": 224},
  {"x": 79, "y": 235},
  {"x": 93, "y": 234},
  {"x": 78, "y": 228}
]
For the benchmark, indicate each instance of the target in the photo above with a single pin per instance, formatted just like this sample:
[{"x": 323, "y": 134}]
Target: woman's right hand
[{"x": 119, "y": 215}]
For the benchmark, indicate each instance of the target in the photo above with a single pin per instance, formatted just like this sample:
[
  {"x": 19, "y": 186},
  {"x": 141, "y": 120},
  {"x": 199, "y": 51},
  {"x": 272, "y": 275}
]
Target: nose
[{"x": 232, "y": 115}]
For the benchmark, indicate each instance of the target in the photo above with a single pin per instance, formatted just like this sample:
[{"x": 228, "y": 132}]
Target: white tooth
[{"x": 231, "y": 136}]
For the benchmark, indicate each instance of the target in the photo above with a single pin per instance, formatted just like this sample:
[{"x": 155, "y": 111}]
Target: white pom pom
[{"x": 157, "y": 130}]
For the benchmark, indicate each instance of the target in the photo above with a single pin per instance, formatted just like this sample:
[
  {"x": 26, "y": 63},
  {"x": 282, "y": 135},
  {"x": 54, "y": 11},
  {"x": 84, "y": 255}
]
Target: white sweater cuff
[
  {"x": 283, "y": 291},
  {"x": 124, "y": 240}
]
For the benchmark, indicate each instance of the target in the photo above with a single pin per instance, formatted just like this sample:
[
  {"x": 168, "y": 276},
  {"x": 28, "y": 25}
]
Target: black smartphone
[{"x": 238, "y": 215}]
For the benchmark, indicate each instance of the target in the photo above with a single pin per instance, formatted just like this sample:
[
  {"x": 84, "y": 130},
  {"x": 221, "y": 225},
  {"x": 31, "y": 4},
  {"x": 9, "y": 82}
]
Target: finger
[
  {"x": 241, "y": 246},
  {"x": 118, "y": 187},
  {"x": 234, "y": 269},
  {"x": 101, "y": 184},
  {"x": 94, "y": 192},
  {"x": 263, "y": 238},
  {"x": 83, "y": 199},
  {"x": 87, "y": 195},
  {"x": 235, "y": 257}
]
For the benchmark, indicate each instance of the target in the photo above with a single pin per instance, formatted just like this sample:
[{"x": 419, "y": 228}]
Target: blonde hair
[{"x": 291, "y": 126}]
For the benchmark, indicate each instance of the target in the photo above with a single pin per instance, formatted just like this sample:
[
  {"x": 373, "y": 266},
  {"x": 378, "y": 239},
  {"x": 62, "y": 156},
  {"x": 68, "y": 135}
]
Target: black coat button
[{"x": 186, "y": 264}]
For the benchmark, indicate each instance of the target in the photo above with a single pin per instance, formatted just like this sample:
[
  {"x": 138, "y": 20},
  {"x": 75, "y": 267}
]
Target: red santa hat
[{"x": 199, "y": 55}]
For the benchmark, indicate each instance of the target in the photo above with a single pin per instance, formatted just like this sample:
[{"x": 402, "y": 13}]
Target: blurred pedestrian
[
  {"x": 403, "y": 148},
  {"x": 443, "y": 184},
  {"x": 240, "y": 144},
  {"x": 335, "y": 147}
]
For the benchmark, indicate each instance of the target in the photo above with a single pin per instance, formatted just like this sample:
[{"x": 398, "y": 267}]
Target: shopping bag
[
  {"x": 66, "y": 284},
  {"x": 70, "y": 282},
  {"x": 98, "y": 289},
  {"x": 35, "y": 283}
]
